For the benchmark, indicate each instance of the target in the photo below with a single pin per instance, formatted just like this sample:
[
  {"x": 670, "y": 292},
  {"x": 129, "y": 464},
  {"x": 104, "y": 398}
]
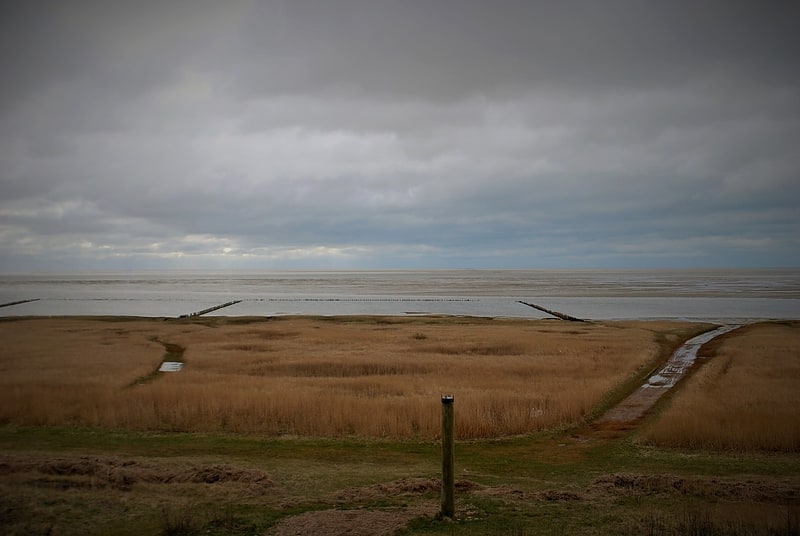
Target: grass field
[
  {"x": 94, "y": 441},
  {"x": 366, "y": 377}
]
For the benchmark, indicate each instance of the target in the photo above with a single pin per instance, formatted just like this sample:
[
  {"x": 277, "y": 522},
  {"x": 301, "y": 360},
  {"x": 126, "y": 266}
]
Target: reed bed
[
  {"x": 745, "y": 398},
  {"x": 368, "y": 377}
]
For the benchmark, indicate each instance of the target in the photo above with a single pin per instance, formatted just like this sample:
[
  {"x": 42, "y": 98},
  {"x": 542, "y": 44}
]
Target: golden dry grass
[
  {"x": 372, "y": 377},
  {"x": 744, "y": 398}
]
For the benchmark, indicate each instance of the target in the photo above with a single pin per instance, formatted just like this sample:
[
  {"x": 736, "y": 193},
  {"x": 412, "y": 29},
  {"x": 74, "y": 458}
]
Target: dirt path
[{"x": 630, "y": 411}]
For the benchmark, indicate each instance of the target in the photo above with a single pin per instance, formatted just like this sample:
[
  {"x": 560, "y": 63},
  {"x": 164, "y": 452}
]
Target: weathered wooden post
[{"x": 448, "y": 471}]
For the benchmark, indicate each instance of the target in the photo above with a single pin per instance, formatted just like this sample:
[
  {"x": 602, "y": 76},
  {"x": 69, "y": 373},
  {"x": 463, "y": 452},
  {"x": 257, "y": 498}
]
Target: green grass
[{"x": 542, "y": 484}]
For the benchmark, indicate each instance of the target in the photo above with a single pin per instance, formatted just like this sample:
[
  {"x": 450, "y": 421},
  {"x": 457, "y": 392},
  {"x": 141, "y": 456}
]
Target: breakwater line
[
  {"x": 19, "y": 302},
  {"x": 562, "y": 316},
  {"x": 210, "y": 309}
]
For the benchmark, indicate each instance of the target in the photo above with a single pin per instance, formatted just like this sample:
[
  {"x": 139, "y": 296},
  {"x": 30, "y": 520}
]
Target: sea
[{"x": 720, "y": 296}]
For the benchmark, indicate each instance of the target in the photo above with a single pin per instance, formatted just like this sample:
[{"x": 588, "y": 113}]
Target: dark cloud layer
[{"x": 399, "y": 134}]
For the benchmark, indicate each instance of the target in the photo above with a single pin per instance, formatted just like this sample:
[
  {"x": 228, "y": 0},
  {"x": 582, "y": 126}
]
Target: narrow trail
[
  {"x": 172, "y": 361},
  {"x": 628, "y": 413}
]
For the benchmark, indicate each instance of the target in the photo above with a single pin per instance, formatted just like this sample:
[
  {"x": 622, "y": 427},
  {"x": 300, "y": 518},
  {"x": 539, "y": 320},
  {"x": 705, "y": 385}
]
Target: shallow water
[{"x": 710, "y": 295}]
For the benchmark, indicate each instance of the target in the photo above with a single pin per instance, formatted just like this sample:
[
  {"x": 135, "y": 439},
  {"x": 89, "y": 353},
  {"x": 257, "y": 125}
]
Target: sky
[{"x": 344, "y": 134}]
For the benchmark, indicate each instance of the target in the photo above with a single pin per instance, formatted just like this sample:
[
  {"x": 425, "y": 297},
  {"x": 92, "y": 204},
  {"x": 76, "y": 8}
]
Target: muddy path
[
  {"x": 628, "y": 413},
  {"x": 172, "y": 361}
]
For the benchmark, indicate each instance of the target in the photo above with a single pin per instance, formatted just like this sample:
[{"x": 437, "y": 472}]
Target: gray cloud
[{"x": 361, "y": 134}]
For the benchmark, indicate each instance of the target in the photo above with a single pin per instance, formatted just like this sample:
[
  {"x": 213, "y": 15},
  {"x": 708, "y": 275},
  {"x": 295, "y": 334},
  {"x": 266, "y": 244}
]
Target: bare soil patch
[
  {"x": 349, "y": 522},
  {"x": 122, "y": 474}
]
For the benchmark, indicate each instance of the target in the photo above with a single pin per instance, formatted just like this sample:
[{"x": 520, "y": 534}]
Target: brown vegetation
[
  {"x": 372, "y": 377},
  {"x": 744, "y": 398},
  {"x": 322, "y": 377}
]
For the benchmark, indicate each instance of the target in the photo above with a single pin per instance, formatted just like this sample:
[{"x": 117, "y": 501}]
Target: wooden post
[{"x": 448, "y": 471}]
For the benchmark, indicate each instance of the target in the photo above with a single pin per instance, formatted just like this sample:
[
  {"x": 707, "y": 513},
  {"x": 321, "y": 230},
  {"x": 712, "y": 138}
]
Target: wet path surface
[
  {"x": 633, "y": 408},
  {"x": 171, "y": 362}
]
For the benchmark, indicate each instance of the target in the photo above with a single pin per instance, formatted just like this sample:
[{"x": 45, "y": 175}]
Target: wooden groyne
[
  {"x": 562, "y": 316},
  {"x": 9, "y": 304},
  {"x": 210, "y": 309}
]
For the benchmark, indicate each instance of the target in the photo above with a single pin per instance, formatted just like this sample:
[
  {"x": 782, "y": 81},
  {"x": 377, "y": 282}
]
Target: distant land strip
[
  {"x": 9, "y": 304},
  {"x": 363, "y": 299}
]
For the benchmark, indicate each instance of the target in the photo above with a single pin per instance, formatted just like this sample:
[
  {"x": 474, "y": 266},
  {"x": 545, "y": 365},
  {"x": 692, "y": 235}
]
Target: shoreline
[
  {"x": 699, "y": 296},
  {"x": 717, "y": 310},
  {"x": 410, "y": 315}
]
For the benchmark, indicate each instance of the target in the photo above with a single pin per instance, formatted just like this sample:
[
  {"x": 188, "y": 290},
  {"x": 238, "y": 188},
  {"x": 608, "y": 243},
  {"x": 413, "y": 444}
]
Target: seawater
[{"x": 701, "y": 295}]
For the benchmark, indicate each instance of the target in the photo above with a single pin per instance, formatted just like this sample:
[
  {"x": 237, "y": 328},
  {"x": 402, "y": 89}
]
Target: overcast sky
[{"x": 399, "y": 134}]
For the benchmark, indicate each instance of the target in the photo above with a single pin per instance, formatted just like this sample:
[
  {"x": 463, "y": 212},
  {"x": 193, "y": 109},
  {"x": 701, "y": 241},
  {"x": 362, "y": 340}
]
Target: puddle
[{"x": 683, "y": 358}]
